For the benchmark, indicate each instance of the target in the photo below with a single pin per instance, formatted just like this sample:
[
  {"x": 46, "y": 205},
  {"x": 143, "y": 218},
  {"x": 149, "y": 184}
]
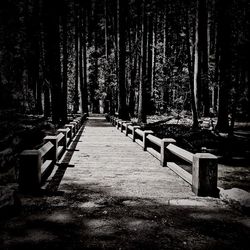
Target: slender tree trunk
[
  {"x": 106, "y": 29},
  {"x": 53, "y": 56},
  {"x": 132, "y": 58},
  {"x": 123, "y": 109},
  {"x": 133, "y": 79},
  {"x": 203, "y": 49},
  {"x": 85, "y": 76},
  {"x": 225, "y": 62},
  {"x": 150, "y": 64},
  {"x": 142, "y": 118},
  {"x": 95, "y": 100},
  {"x": 39, "y": 107},
  {"x": 76, "y": 94},
  {"x": 81, "y": 82},
  {"x": 65, "y": 63},
  {"x": 195, "y": 124},
  {"x": 154, "y": 52},
  {"x": 197, "y": 65}
]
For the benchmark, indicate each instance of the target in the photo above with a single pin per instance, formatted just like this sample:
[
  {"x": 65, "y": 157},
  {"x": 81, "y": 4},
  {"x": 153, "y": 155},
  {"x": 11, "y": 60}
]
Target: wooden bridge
[
  {"x": 98, "y": 156},
  {"x": 107, "y": 192},
  {"x": 106, "y": 159}
]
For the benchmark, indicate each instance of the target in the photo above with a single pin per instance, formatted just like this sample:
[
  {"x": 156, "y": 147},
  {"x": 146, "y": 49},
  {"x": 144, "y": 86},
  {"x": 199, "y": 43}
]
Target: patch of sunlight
[
  {"x": 60, "y": 217},
  {"x": 187, "y": 202}
]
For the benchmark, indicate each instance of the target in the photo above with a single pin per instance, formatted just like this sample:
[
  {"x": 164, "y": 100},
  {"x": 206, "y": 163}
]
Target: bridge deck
[{"x": 105, "y": 159}]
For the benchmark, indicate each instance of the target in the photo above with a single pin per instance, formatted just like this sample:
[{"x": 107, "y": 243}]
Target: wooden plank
[
  {"x": 180, "y": 171},
  {"x": 130, "y": 127},
  {"x": 153, "y": 152},
  {"x": 68, "y": 141},
  {"x": 59, "y": 137},
  {"x": 154, "y": 140},
  {"x": 139, "y": 142},
  {"x": 182, "y": 153},
  {"x": 139, "y": 132},
  {"x": 59, "y": 150},
  {"x": 47, "y": 164},
  {"x": 45, "y": 148}
]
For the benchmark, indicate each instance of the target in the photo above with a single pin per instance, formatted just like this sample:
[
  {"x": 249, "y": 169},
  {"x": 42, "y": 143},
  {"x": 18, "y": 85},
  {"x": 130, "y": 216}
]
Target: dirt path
[{"x": 109, "y": 194}]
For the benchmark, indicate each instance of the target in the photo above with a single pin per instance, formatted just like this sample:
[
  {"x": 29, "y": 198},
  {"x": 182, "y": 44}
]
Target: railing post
[
  {"x": 144, "y": 138},
  {"x": 77, "y": 122},
  {"x": 126, "y": 128},
  {"x": 133, "y": 132},
  {"x": 54, "y": 141},
  {"x": 205, "y": 174},
  {"x": 74, "y": 127},
  {"x": 65, "y": 133},
  {"x": 165, "y": 155},
  {"x": 117, "y": 123},
  {"x": 70, "y": 126},
  {"x": 113, "y": 121},
  {"x": 30, "y": 171},
  {"x": 123, "y": 123}
]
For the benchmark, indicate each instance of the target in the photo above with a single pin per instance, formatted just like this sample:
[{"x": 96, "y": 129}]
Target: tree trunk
[
  {"x": 81, "y": 83},
  {"x": 85, "y": 76},
  {"x": 53, "y": 56},
  {"x": 201, "y": 60},
  {"x": 65, "y": 63},
  {"x": 225, "y": 62},
  {"x": 142, "y": 118},
  {"x": 123, "y": 109},
  {"x": 76, "y": 94},
  {"x": 203, "y": 49},
  {"x": 150, "y": 106},
  {"x": 195, "y": 124}
]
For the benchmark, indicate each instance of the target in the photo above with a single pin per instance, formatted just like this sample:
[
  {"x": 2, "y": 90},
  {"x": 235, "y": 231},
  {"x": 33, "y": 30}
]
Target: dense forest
[{"x": 135, "y": 58}]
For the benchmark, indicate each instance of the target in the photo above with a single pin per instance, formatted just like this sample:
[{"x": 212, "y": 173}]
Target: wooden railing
[
  {"x": 204, "y": 166},
  {"x": 37, "y": 164}
]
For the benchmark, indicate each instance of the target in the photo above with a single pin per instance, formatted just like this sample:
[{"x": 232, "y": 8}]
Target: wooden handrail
[
  {"x": 139, "y": 132},
  {"x": 155, "y": 140},
  {"x": 35, "y": 163},
  {"x": 130, "y": 127},
  {"x": 60, "y": 137},
  {"x": 45, "y": 148},
  {"x": 181, "y": 172},
  {"x": 181, "y": 153},
  {"x": 204, "y": 166}
]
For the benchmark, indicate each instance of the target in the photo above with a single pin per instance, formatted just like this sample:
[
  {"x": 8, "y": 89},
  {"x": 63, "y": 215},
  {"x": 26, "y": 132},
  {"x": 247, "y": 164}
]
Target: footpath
[{"x": 108, "y": 193}]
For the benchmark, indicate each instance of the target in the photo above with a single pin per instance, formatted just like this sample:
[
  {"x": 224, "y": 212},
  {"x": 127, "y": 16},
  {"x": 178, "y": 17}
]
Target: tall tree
[
  {"x": 122, "y": 107},
  {"x": 150, "y": 105},
  {"x": 201, "y": 60},
  {"x": 225, "y": 62},
  {"x": 85, "y": 76},
  {"x": 142, "y": 117},
  {"x": 65, "y": 62},
  {"x": 195, "y": 124},
  {"x": 53, "y": 56},
  {"x": 76, "y": 92}
]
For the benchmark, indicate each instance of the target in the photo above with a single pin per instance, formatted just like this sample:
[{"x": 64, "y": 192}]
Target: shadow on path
[
  {"x": 62, "y": 167},
  {"x": 87, "y": 217}
]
